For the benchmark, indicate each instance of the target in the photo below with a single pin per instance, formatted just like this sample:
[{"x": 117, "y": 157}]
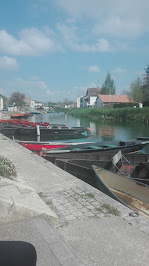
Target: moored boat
[
  {"x": 19, "y": 116},
  {"x": 126, "y": 146},
  {"x": 38, "y": 129},
  {"x": 84, "y": 171},
  {"x": 130, "y": 193},
  {"x": 39, "y": 147},
  {"x": 96, "y": 156}
]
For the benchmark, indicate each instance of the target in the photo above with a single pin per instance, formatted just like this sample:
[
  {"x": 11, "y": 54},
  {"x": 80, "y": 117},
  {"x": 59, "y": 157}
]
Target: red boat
[{"x": 39, "y": 147}]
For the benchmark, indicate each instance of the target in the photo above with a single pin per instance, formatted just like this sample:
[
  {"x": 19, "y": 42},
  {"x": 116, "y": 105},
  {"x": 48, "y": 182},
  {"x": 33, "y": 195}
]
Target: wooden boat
[
  {"x": 83, "y": 169},
  {"x": 126, "y": 146},
  {"x": 19, "y": 116},
  {"x": 96, "y": 156},
  {"x": 22, "y": 127},
  {"x": 8, "y": 130},
  {"x": 51, "y": 130},
  {"x": 128, "y": 192},
  {"x": 35, "y": 113},
  {"x": 143, "y": 138},
  {"x": 40, "y": 146}
]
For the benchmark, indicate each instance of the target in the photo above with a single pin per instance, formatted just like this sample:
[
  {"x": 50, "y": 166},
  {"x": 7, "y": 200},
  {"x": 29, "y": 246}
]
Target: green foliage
[
  {"x": 135, "y": 91},
  {"x": 108, "y": 87},
  {"x": 90, "y": 195},
  {"x": 110, "y": 209},
  {"x": 5, "y": 101},
  {"x": 145, "y": 103},
  {"x": 123, "y": 105},
  {"x": 114, "y": 114},
  {"x": 7, "y": 168},
  {"x": 145, "y": 86}
]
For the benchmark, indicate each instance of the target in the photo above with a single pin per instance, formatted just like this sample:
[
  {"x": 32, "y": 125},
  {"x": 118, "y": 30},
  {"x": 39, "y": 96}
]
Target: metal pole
[{"x": 38, "y": 130}]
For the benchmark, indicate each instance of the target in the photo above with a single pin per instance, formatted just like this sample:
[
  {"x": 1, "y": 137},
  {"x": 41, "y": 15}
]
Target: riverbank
[
  {"x": 111, "y": 114},
  {"x": 75, "y": 224}
]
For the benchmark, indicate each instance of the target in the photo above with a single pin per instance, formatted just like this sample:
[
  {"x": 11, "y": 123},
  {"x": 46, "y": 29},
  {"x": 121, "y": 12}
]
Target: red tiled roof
[{"x": 115, "y": 98}]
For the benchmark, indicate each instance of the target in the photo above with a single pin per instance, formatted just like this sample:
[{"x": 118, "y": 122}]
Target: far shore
[{"x": 113, "y": 114}]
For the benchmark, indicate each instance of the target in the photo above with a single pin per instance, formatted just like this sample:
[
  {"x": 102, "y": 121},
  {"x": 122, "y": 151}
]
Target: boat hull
[
  {"x": 128, "y": 192},
  {"x": 115, "y": 146},
  {"x": 96, "y": 156}
]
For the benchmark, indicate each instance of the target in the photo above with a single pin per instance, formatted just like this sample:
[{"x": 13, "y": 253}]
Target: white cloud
[
  {"x": 101, "y": 45},
  {"x": 119, "y": 27},
  {"x": 93, "y": 69},
  {"x": 71, "y": 39},
  {"x": 31, "y": 42},
  {"x": 127, "y": 19},
  {"x": 8, "y": 63},
  {"x": 68, "y": 34},
  {"x": 35, "y": 89}
]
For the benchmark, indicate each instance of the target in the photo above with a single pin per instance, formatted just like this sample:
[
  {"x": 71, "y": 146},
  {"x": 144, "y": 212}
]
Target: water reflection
[{"x": 100, "y": 130}]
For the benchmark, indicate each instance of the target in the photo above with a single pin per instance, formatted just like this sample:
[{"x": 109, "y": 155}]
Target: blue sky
[{"x": 56, "y": 49}]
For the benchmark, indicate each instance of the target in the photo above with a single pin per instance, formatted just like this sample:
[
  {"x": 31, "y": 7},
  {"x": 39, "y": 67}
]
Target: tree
[
  {"x": 5, "y": 100},
  {"x": 135, "y": 91},
  {"x": 145, "y": 86},
  {"x": 108, "y": 86},
  {"x": 66, "y": 101},
  {"x": 17, "y": 98}
]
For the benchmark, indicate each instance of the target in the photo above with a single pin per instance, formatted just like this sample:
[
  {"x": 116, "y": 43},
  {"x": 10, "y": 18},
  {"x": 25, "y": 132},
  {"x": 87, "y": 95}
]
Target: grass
[
  {"x": 113, "y": 114},
  {"x": 48, "y": 202},
  {"x": 7, "y": 168},
  {"x": 40, "y": 194},
  {"x": 90, "y": 195},
  {"x": 110, "y": 209}
]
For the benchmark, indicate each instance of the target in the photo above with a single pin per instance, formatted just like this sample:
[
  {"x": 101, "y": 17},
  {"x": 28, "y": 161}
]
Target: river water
[{"x": 99, "y": 131}]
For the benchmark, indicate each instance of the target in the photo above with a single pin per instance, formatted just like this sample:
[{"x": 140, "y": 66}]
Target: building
[
  {"x": 107, "y": 101},
  {"x": 1, "y": 102},
  {"x": 12, "y": 108},
  {"x": 38, "y": 104},
  {"x": 83, "y": 102},
  {"x": 78, "y": 102},
  {"x": 91, "y": 96},
  {"x": 29, "y": 102},
  {"x": 89, "y": 99}
]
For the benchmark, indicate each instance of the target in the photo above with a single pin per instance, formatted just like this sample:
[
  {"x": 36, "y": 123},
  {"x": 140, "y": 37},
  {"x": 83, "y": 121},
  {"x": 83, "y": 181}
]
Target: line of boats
[
  {"x": 104, "y": 165},
  {"x": 114, "y": 167},
  {"x": 23, "y": 127},
  {"x": 125, "y": 179}
]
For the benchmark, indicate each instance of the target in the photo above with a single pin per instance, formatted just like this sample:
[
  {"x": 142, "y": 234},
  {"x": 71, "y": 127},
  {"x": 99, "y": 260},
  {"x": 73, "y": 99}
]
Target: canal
[{"x": 99, "y": 131}]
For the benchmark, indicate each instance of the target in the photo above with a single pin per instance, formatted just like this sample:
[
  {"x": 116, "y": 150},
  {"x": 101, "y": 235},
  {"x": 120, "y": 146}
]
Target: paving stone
[
  {"x": 90, "y": 207},
  {"x": 70, "y": 217}
]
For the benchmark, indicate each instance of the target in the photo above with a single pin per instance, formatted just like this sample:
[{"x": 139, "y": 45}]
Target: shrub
[{"x": 7, "y": 168}]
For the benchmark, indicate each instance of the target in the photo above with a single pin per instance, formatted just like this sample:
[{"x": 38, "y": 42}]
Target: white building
[
  {"x": 78, "y": 102},
  {"x": 29, "y": 102},
  {"x": 83, "y": 102},
  {"x": 1, "y": 102},
  {"x": 89, "y": 99},
  {"x": 38, "y": 104},
  {"x": 12, "y": 108}
]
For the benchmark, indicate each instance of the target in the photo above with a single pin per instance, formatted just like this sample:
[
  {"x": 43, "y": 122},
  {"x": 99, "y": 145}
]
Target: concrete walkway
[{"x": 75, "y": 223}]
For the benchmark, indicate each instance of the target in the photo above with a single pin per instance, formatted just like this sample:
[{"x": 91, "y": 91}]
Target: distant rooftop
[
  {"x": 115, "y": 98},
  {"x": 93, "y": 91}
]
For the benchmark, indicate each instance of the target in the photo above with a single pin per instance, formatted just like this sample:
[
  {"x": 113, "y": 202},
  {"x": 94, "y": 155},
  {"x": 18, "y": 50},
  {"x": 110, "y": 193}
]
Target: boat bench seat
[{"x": 94, "y": 147}]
